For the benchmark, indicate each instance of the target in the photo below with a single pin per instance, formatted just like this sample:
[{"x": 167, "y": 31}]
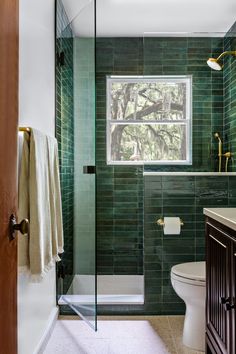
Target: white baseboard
[{"x": 48, "y": 331}]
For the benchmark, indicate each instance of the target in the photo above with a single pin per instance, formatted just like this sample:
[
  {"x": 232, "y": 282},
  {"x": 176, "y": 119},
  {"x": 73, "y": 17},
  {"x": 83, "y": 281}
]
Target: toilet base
[{"x": 194, "y": 328}]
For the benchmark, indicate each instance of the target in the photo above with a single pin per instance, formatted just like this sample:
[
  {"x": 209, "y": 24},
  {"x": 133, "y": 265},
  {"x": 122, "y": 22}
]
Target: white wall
[
  {"x": 36, "y": 302},
  {"x": 36, "y": 89}
]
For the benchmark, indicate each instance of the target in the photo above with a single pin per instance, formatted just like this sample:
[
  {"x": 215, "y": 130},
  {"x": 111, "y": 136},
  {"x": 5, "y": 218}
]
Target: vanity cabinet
[{"x": 220, "y": 288}]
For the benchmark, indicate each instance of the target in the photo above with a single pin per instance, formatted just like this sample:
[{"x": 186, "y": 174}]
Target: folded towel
[{"x": 44, "y": 205}]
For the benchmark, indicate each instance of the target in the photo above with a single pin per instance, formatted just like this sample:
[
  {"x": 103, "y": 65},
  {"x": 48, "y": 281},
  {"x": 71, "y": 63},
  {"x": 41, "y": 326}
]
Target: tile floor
[{"x": 119, "y": 335}]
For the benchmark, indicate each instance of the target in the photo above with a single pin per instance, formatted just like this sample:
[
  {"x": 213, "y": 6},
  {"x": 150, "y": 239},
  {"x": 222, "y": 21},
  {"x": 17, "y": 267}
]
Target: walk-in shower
[
  {"x": 103, "y": 259},
  {"x": 164, "y": 161}
]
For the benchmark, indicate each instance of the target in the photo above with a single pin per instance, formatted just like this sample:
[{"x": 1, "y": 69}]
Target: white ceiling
[{"x": 135, "y": 17}]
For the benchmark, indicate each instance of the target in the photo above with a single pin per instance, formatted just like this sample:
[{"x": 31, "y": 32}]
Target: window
[{"x": 149, "y": 120}]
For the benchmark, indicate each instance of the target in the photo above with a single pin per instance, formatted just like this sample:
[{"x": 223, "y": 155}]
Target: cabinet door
[
  {"x": 218, "y": 288},
  {"x": 233, "y": 295}
]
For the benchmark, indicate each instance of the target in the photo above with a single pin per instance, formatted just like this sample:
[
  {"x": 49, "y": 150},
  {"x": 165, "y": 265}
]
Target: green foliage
[{"x": 143, "y": 105}]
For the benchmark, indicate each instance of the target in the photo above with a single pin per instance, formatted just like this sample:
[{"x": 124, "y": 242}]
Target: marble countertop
[{"x": 226, "y": 216}]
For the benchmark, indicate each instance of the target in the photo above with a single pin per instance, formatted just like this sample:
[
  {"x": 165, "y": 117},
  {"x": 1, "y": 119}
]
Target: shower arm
[{"x": 230, "y": 52}]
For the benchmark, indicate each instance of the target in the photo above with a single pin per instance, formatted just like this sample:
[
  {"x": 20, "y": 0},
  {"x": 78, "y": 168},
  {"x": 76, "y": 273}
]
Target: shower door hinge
[
  {"x": 89, "y": 170},
  {"x": 60, "y": 59}
]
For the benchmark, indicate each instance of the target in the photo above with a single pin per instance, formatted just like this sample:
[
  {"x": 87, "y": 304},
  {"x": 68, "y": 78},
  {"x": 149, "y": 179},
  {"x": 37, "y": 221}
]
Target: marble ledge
[
  {"x": 160, "y": 173},
  {"x": 226, "y": 216}
]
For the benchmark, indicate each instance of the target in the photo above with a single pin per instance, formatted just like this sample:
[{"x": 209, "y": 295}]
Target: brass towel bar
[{"x": 25, "y": 129}]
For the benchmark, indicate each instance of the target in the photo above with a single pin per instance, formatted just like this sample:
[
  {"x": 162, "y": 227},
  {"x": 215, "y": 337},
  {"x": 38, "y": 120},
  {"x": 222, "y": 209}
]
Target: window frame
[{"x": 187, "y": 79}]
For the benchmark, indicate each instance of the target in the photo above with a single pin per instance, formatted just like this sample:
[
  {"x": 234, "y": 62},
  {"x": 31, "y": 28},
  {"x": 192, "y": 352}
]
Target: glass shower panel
[{"x": 78, "y": 290}]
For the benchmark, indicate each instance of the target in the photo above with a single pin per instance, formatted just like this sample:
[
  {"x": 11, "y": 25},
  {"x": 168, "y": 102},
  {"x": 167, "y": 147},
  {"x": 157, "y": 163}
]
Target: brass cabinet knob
[
  {"x": 23, "y": 226},
  {"x": 224, "y": 300},
  {"x": 229, "y": 307}
]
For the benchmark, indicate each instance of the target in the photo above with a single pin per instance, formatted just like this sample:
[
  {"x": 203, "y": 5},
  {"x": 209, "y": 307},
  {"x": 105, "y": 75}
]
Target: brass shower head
[{"x": 214, "y": 63}]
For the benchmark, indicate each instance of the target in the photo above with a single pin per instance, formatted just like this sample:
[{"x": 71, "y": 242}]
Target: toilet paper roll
[{"x": 172, "y": 226}]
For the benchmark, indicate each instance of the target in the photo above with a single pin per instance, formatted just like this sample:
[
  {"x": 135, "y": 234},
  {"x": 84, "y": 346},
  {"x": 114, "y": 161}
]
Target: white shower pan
[{"x": 111, "y": 290}]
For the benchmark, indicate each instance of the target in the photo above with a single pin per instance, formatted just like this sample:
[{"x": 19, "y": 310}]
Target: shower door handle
[{"x": 89, "y": 170}]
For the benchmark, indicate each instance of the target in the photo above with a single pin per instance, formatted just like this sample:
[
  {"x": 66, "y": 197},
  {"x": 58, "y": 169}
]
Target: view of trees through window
[{"x": 148, "y": 119}]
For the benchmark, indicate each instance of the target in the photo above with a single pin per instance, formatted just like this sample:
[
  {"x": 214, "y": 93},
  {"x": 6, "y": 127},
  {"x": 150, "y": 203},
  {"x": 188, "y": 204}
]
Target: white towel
[
  {"x": 23, "y": 201},
  {"x": 55, "y": 198},
  {"x": 45, "y": 215},
  {"x": 40, "y": 242}
]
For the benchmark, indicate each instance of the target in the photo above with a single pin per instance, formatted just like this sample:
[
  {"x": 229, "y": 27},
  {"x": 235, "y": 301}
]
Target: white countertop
[
  {"x": 172, "y": 173},
  {"x": 226, "y": 216}
]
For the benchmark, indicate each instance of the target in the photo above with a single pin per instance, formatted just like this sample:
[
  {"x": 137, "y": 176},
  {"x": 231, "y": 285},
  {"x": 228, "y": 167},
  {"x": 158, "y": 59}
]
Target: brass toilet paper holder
[{"x": 161, "y": 222}]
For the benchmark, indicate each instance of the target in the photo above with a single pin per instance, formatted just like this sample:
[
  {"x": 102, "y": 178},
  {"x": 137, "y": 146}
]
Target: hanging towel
[
  {"x": 40, "y": 242},
  {"x": 40, "y": 202},
  {"x": 55, "y": 198},
  {"x": 44, "y": 205},
  {"x": 23, "y": 204}
]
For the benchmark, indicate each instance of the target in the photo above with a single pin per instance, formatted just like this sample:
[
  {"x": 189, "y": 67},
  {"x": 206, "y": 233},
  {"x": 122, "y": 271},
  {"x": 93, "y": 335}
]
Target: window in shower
[{"x": 149, "y": 120}]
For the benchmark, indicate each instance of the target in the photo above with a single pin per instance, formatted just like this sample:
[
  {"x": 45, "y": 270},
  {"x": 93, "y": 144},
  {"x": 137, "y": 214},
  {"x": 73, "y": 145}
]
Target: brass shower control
[{"x": 227, "y": 154}]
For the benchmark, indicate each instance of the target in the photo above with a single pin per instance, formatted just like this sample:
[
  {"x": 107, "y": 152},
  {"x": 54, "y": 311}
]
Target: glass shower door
[{"x": 79, "y": 289}]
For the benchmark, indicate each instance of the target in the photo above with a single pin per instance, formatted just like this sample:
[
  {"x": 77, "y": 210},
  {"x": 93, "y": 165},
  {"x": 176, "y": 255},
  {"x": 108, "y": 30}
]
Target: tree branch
[{"x": 154, "y": 108}]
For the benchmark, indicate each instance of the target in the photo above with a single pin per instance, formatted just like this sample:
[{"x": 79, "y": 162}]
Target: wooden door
[
  {"x": 218, "y": 288},
  {"x": 8, "y": 168}
]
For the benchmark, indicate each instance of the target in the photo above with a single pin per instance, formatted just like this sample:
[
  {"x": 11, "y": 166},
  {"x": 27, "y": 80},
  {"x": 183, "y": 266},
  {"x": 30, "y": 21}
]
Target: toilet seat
[{"x": 193, "y": 273}]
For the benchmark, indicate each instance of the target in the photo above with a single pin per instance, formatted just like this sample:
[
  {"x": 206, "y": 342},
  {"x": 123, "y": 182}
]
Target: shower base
[{"x": 111, "y": 290}]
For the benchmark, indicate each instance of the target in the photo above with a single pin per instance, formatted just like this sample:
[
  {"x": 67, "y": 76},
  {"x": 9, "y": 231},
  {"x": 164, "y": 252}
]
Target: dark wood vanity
[{"x": 220, "y": 286}]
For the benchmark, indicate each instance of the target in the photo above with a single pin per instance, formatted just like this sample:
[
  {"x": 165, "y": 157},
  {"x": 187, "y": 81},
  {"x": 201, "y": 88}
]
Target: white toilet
[{"x": 189, "y": 283}]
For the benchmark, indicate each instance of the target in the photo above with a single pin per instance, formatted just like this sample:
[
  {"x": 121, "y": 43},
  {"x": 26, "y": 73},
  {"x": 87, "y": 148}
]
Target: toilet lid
[{"x": 191, "y": 270}]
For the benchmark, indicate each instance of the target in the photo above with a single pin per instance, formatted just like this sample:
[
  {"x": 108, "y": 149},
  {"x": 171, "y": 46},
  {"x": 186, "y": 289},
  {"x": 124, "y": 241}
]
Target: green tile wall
[
  {"x": 229, "y": 72},
  {"x": 183, "y": 196},
  {"x": 129, "y": 241},
  {"x": 120, "y": 189},
  {"x": 84, "y": 189},
  {"x": 187, "y": 56},
  {"x": 65, "y": 136}
]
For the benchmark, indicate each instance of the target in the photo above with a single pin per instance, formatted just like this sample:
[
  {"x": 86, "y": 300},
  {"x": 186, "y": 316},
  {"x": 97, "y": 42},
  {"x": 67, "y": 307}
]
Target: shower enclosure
[
  {"x": 103, "y": 212},
  {"x": 117, "y": 259}
]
